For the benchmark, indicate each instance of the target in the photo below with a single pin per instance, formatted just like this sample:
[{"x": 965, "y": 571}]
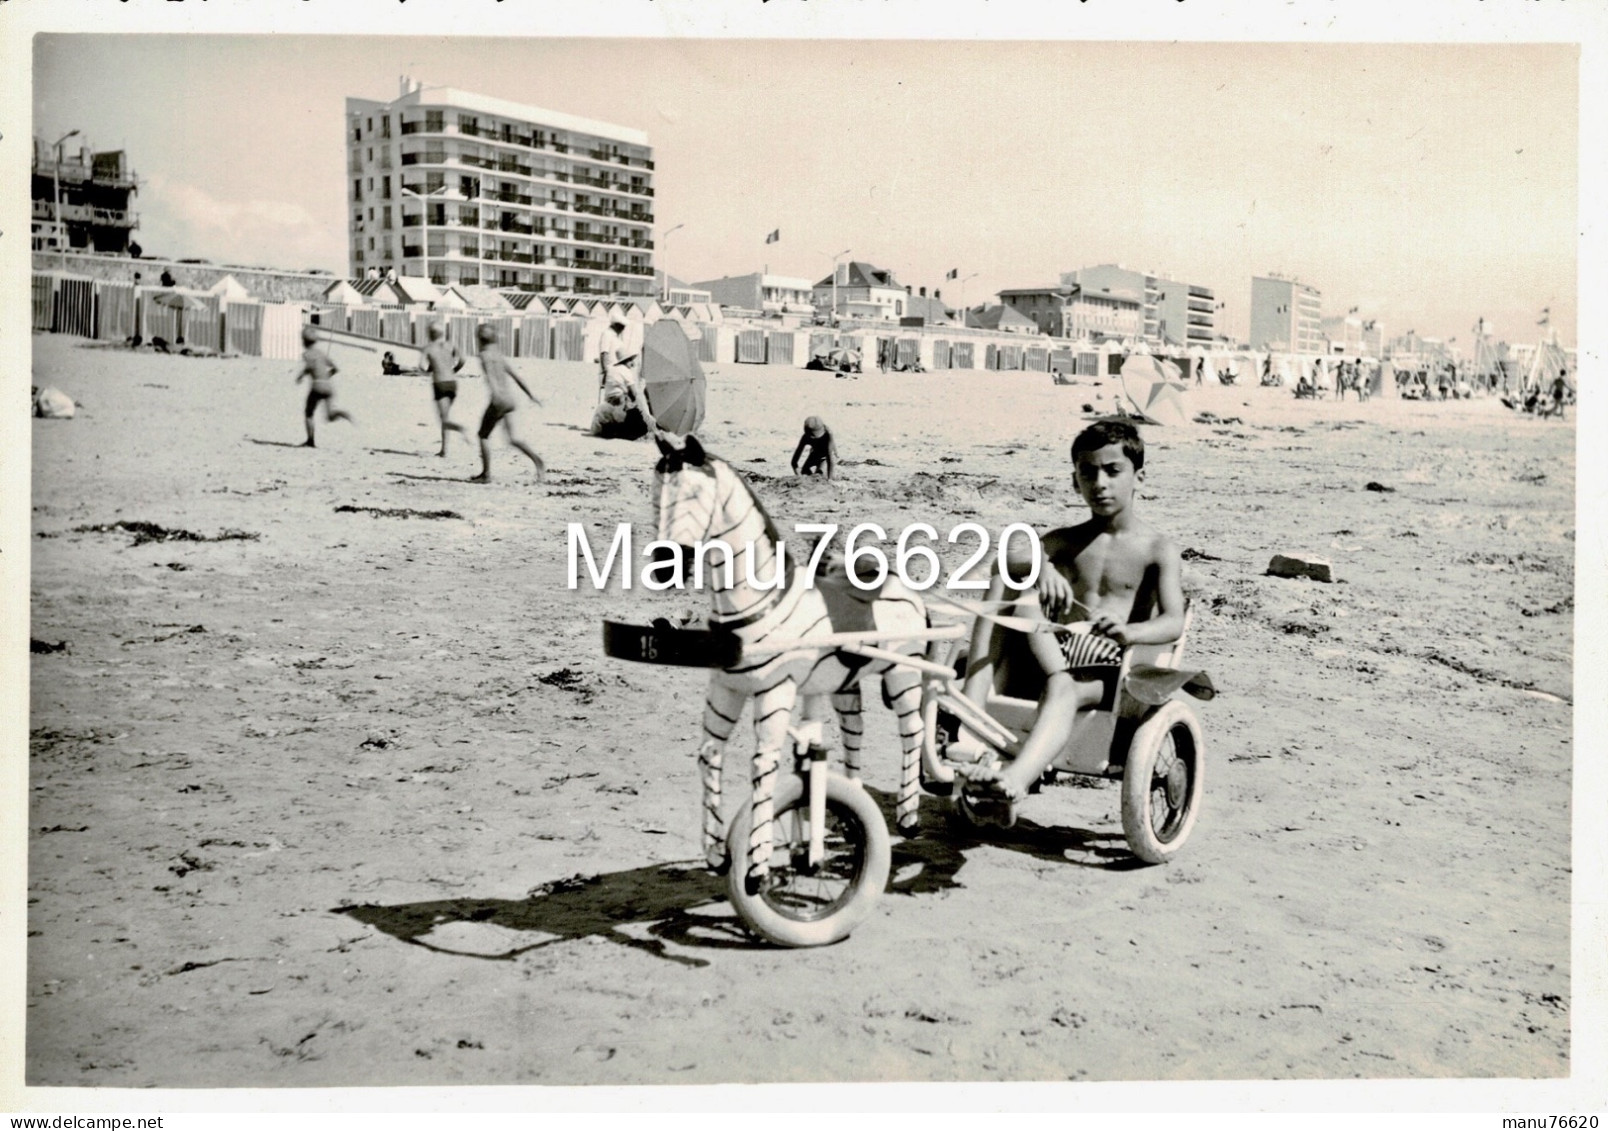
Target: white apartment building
[
  {"x": 1186, "y": 314},
  {"x": 1286, "y": 314},
  {"x": 860, "y": 290},
  {"x": 466, "y": 188},
  {"x": 1071, "y": 311},
  {"x": 774, "y": 294},
  {"x": 1353, "y": 334},
  {"x": 1343, "y": 332},
  {"x": 1121, "y": 282},
  {"x": 1171, "y": 313}
]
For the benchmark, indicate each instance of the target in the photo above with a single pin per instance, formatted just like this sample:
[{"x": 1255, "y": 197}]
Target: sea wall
[{"x": 270, "y": 286}]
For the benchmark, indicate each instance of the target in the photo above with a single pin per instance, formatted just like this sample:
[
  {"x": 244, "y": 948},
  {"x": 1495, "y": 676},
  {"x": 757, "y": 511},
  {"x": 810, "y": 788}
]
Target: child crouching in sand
[
  {"x": 500, "y": 377},
  {"x": 1123, "y": 574}
]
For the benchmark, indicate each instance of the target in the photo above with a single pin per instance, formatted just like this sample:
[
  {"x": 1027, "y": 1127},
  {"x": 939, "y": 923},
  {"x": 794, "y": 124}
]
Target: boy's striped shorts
[{"x": 1086, "y": 650}]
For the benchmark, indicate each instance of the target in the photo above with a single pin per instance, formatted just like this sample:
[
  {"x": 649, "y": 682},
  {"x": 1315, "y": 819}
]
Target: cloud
[{"x": 180, "y": 220}]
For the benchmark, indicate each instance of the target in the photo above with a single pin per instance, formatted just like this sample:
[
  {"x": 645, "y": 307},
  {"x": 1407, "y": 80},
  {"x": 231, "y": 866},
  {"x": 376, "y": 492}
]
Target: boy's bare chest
[{"x": 1109, "y": 566}]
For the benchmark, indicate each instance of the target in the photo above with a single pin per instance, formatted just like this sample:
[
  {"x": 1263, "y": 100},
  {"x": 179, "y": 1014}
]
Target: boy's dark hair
[{"x": 1104, "y": 432}]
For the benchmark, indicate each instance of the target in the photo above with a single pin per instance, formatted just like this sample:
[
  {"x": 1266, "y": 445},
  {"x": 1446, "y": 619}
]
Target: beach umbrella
[
  {"x": 178, "y": 301},
  {"x": 672, "y": 378},
  {"x": 1161, "y": 382}
]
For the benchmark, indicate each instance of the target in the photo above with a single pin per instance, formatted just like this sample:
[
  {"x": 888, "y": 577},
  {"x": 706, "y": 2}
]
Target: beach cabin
[
  {"x": 527, "y": 302},
  {"x": 419, "y": 294},
  {"x": 480, "y": 299},
  {"x": 648, "y": 308},
  {"x": 362, "y": 292},
  {"x": 229, "y": 289}
]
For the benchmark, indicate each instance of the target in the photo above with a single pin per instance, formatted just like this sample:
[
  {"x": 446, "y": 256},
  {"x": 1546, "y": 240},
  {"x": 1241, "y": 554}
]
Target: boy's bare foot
[
  {"x": 981, "y": 803},
  {"x": 481, "y": 478},
  {"x": 309, "y": 444}
]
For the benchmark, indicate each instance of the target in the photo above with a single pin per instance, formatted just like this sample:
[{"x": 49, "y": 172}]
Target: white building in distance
[
  {"x": 1286, "y": 315},
  {"x": 1172, "y": 314},
  {"x": 470, "y": 189},
  {"x": 773, "y": 294}
]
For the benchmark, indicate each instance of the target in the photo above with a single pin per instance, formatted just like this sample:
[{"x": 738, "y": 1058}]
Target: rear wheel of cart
[{"x": 1162, "y": 784}]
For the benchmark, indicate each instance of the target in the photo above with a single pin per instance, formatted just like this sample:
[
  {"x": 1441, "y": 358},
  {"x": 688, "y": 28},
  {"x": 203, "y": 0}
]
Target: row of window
[
  {"x": 535, "y": 281},
  {"x": 470, "y": 188},
  {"x": 382, "y": 248},
  {"x": 509, "y": 133}
]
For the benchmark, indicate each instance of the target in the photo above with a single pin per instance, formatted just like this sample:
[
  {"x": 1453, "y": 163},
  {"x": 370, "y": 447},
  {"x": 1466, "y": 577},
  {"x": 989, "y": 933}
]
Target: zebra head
[{"x": 686, "y": 492}]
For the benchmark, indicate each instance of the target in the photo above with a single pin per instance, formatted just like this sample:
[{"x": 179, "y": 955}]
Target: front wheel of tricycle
[
  {"x": 798, "y": 905},
  {"x": 1162, "y": 783}
]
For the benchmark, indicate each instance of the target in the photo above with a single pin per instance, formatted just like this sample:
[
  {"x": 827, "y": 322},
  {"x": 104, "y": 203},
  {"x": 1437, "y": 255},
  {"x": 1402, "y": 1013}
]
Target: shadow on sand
[
  {"x": 400, "y": 452},
  {"x": 662, "y": 896},
  {"x": 434, "y": 478},
  {"x": 667, "y": 898},
  {"x": 276, "y": 443}
]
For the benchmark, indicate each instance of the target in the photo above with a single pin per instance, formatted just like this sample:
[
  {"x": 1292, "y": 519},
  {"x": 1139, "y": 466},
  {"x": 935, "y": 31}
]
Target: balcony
[
  {"x": 85, "y": 214},
  {"x": 537, "y": 141}
]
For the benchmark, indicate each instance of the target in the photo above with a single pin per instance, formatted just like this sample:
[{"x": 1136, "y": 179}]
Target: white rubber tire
[
  {"x": 1158, "y": 813},
  {"x": 865, "y": 850}
]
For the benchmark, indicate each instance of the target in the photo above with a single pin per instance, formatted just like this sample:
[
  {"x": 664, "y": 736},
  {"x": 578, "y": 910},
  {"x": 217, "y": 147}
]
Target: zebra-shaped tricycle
[{"x": 809, "y": 853}]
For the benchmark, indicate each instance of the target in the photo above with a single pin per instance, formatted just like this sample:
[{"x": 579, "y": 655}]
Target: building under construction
[{"x": 83, "y": 202}]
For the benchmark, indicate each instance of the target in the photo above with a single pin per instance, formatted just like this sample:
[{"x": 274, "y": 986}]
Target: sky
[{"x": 1426, "y": 185}]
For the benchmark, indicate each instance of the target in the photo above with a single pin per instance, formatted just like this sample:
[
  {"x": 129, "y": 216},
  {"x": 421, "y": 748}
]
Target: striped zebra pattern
[{"x": 698, "y": 498}]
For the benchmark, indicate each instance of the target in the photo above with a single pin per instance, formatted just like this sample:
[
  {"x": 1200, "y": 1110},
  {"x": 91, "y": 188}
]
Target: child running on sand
[
  {"x": 501, "y": 407},
  {"x": 317, "y": 366},
  {"x": 442, "y": 360},
  {"x": 1120, "y": 572}
]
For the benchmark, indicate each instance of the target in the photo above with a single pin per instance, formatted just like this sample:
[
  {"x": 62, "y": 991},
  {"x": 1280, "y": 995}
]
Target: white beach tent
[
  {"x": 416, "y": 291},
  {"x": 229, "y": 289},
  {"x": 480, "y": 299}
]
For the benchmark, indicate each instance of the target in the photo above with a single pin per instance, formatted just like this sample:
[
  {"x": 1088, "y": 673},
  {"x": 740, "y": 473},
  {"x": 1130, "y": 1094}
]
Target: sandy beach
[{"x": 356, "y": 798}]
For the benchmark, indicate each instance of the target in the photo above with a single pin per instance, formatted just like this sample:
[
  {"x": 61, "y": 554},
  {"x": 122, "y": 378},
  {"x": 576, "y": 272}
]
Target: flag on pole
[
  {"x": 1353, "y": 310},
  {"x": 954, "y": 273},
  {"x": 1546, "y": 316},
  {"x": 774, "y": 237}
]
